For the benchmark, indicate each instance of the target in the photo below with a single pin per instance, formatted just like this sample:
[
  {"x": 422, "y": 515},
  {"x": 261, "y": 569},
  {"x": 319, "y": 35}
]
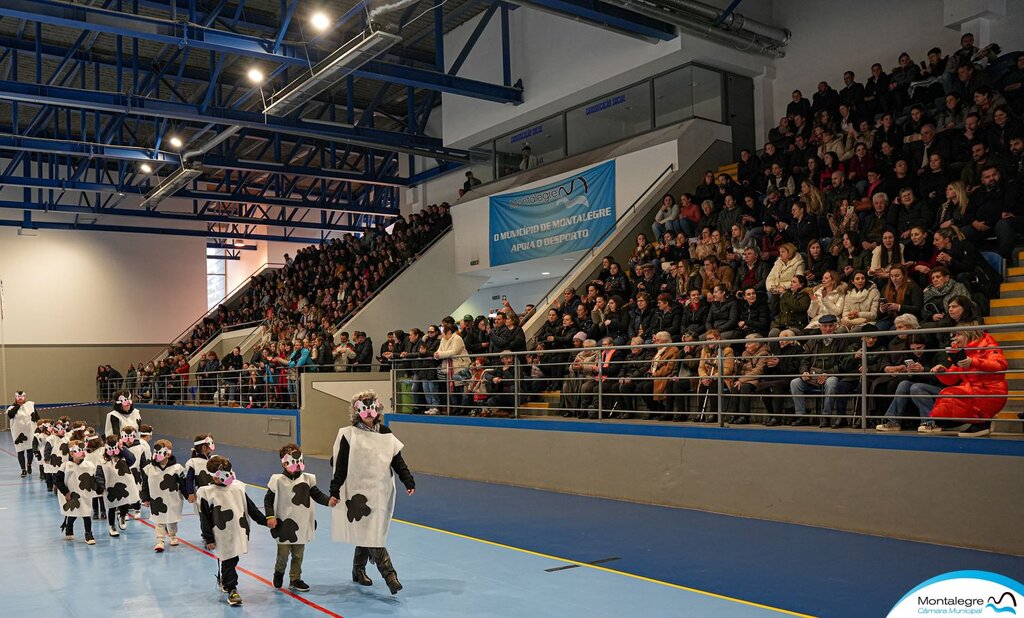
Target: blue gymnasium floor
[{"x": 489, "y": 555}]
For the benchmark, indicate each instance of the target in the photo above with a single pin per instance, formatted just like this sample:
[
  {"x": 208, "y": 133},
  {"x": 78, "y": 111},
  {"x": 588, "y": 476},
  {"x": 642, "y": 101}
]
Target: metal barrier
[
  {"x": 698, "y": 383},
  {"x": 265, "y": 385}
]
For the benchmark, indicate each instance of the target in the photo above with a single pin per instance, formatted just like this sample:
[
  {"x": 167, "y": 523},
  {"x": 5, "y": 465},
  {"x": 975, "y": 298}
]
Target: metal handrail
[
  {"x": 717, "y": 387},
  {"x": 228, "y": 299}
]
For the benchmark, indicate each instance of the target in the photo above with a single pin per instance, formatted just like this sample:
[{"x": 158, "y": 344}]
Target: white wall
[
  {"x": 854, "y": 35},
  {"x": 519, "y": 295},
  {"x": 76, "y": 287},
  {"x": 564, "y": 63},
  {"x": 238, "y": 271},
  {"x": 427, "y": 291}
]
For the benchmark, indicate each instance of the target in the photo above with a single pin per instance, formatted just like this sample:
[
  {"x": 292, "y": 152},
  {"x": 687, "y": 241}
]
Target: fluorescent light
[
  {"x": 320, "y": 21},
  {"x": 545, "y": 274},
  {"x": 176, "y": 141},
  {"x": 146, "y": 168},
  {"x": 255, "y": 75}
]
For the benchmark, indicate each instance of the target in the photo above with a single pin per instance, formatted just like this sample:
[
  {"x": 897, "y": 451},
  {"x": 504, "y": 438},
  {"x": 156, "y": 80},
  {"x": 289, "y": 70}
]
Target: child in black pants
[{"x": 223, "y": 506}]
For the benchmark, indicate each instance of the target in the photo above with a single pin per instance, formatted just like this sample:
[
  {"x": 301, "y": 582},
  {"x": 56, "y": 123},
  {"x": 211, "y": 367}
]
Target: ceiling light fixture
[
  {"x": 255, "y": 75},
  {"x": 176, "y": 141},
  {"x": 320, "y": 21},
  {"x": 146, "y": 168}
]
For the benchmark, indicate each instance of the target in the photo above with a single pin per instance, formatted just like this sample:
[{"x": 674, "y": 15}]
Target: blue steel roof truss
[{"x": 90, "y": 108}]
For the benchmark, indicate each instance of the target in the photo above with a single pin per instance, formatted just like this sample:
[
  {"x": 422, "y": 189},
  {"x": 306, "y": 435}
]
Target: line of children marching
[{"x": 116, "y": 474}]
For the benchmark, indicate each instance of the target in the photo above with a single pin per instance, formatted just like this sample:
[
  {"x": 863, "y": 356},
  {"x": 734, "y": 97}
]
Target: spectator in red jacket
[{"x": 976, "y": 386}]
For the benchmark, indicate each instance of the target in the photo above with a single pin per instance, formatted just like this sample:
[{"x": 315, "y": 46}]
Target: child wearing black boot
[
  {"x": 76, "y": 484},
  {"x": 365, "y": 455}
]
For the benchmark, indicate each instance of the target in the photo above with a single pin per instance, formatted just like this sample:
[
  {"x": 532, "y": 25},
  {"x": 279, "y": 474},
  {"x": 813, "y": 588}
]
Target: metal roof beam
[
  {"x": 163, "y": 231},
  {"x": 186, "y": 34},
  {"x": 156, "y": 108}
]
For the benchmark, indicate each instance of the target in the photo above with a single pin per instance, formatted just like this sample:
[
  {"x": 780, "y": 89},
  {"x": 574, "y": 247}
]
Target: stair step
[
  {"x": 537, "y": 405},
  {"x": 1007, "y": 302},
  {"x": 1007, "y": 310},
  {"x": 1012, "y": 287},
  {"x": 1014, "y": 354},
  {"x": 1011, "y": 293},
  {"x": 1015, "y": 271},
  {"x": 1004, "y": 319},
  {"x": 1008, "y": 336}
]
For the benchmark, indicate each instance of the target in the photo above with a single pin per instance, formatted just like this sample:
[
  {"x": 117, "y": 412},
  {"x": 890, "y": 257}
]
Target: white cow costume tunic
[
  {"x": 80, "y": 480},
  {"x": 224, "y": 518},
  {"x": 290, "y": 500},
  {"x": 23, "y": 425},
  {"x": 121, "y": 488},
  {"x": 163, "y": 489},
  {"x": 118, "y": 418},
  {"x": 367, "y": 496}
]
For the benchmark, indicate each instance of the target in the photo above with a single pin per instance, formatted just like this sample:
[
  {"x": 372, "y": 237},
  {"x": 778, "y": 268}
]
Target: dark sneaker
[
  {"x": 278, "y": 579},
  {"x": 299, "y": 586},
  {"x": 976, "y": 430},
  {"x": 234, "y": 598},
  {"x": 89, "y": 540}
]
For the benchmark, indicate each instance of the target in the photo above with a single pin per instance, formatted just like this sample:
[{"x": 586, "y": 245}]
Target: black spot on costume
[
  {"x": 122, "y": 467},
  {"x": 357, "y": 508},
  {"x": 21, "y": 438},
  {"x": 157, "y": 506},
  {"x": 117, "y": 491},
  {"x": 87, "y": 482},
  {"x": 221, "y": 517},
  {"x": 301, "y": 494},
  {"x": 170, "y": 482},
  {"x": 73, "y": 502},
  {"x": 286, "y": 531}
]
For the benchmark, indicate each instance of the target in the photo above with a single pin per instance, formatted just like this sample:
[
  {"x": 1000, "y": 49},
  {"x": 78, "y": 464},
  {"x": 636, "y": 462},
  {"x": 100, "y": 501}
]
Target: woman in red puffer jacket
[{"x": 976, "y": 387}]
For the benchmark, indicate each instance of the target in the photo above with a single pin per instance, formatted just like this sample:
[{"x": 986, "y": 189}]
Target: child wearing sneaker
[
  {"x": 224, "y": 512},
  {"x": 43, "y": 426},
  {"x": 141, "y": 451},
  {"x": 115, "y": 478},
  {"x": 163, "y": 485},
  {"x": 76, "y": 483},
  {"x": 291, "y": 515}
]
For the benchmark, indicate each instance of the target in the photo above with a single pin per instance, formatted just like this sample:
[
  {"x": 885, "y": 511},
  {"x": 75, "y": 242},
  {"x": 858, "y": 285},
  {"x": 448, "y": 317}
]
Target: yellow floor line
[
  {"x": 605, "y": 569},
  {"x": 592, "y": 566}
]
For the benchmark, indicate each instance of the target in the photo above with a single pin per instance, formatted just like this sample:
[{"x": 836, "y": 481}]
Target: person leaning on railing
[{"x": 976, "y": 386}]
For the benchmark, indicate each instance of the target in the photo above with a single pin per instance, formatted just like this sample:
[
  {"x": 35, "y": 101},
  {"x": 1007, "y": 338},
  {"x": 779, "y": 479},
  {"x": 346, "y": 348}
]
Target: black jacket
[
  {"x": 757, "y": 318},
  {"x": 694, "y": 321},
  {"x": 642, "y": 320},
  {"x": 723, "y": 315},
  {"x": 670, "y": 321}
]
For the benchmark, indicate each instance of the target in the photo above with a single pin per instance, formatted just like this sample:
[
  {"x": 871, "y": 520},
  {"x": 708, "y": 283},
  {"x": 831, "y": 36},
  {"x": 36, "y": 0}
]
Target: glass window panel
[
  {"x": 619, "y": 115},
  {"x": 707, "y": 94},
  {"x": 546, "y": 141},
  {"x": 673, "y": 97},
  {"x": 481, "y": 162}
]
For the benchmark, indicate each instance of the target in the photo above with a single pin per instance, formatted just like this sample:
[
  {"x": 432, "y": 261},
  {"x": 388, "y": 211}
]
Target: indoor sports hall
[{"x": 498, "y": 308}]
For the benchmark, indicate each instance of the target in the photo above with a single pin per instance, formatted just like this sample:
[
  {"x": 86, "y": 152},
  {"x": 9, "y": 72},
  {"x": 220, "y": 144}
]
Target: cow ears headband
[
  {"x": 368, "y": 408},
  {"x": 207, "y": 440},
  {"x": 124, "y": 399},
  {"x": 20, "y": 395},
  {"x": 161, "y": 454}
]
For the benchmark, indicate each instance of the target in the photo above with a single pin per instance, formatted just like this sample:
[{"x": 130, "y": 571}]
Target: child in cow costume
[
  {"x": 76, "y": 486},
  {"x": 123, "y": 413},
  {"x": 224, "y": 512},
  {"x": 23, "y": 418},
  {"x": 291, "y": 515},
  {"x": 163, "y": 491},
  {"x": 366, "y": 458},
  {"x": 115, "y": 478}
]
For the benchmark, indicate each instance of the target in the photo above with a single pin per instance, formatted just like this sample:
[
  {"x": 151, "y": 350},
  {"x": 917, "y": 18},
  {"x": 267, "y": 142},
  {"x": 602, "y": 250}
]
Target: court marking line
[
  {"x": 608, "y": 570},
  {"x": 240, "y": 569},
  {"x": 258, "y": 578},
  {"x": 525, "y": 551},
  {"x": 593, "y": 566}
]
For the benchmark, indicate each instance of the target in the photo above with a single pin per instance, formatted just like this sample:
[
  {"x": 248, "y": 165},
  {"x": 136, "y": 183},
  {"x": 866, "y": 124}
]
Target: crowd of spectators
[
  {"x": 864, "y": 213},
  {"x": 298, "y": 310}
]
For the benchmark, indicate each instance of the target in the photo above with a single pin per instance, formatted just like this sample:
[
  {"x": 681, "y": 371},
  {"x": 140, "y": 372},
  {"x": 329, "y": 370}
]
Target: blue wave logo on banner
[
  {"x": 978, "y": 593},
  {"x": 561, "y": 217}
]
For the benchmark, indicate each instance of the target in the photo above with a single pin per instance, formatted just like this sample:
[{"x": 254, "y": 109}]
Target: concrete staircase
[{"x": 1009, "y": 309}]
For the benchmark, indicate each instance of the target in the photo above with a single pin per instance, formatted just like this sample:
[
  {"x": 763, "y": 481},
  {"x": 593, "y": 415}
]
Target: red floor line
[
  {"x": 250, "y": 574},
  {"x": 201, "y": 550}
]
